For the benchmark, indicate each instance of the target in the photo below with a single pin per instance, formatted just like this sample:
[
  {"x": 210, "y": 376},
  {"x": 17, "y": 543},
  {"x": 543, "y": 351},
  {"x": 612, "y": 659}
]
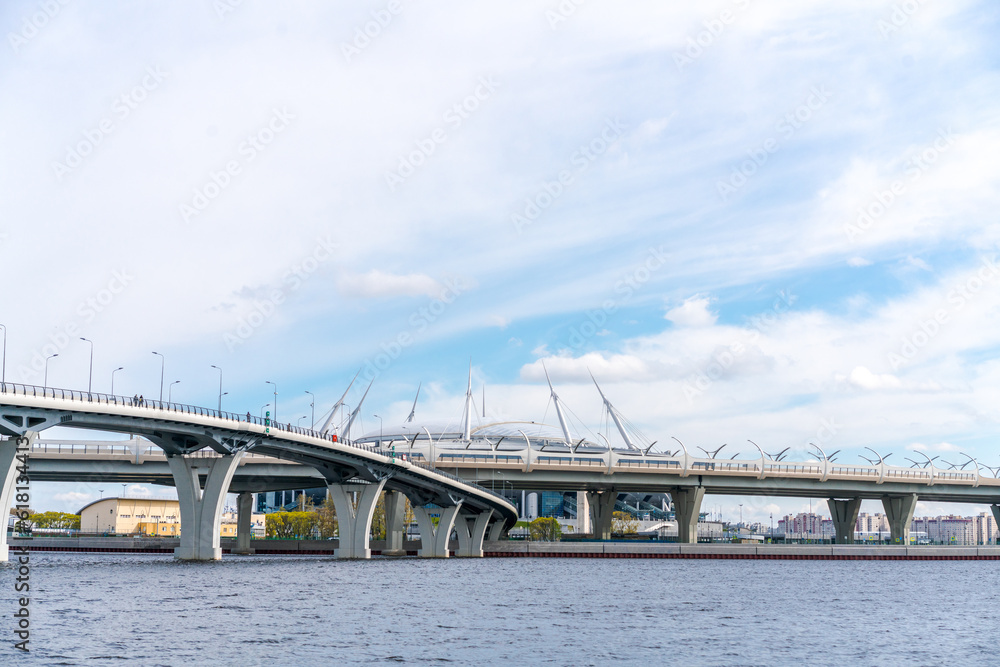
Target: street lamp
[
  {"x": 45, "y": 380},
  {"x": 220, "y": 400},
  {"x": 163, "y": 362},
  {"x": 170, "y": 391},
  {"x": 298, "y": 421},
  {"x": 90, "y": 379},
  {"x": 220, "y": 385},
  {"x": 262, "y": 409},
  {"x": 113, "y": 378},
  {"x": 102, "y": 493},
  {"x": 741, "y": 515},
  {"x": 274, "y": 415},
  {"x": 313, "y": 406},
  {"x": 123, "y": 490},
  {"x": 3, "y": 373},
  {"x": 379, "y": 429}
]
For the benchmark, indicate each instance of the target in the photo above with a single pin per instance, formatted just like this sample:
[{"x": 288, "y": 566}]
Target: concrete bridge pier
[
  {"x": 687, "y": 507},
  {"x": 9, "y": 449},
  {"x": 899, "y": 512},
  {"x": 996, "y": 513},
  {"x": 201, "y": 510},
  {"x": 845, "y": 518},
  {"x": 471, "y": 530},
  {"x": 244, "y": 528},
  {"x": 354, "y": 523},
  {"x": 498, "y": 530},
  {"x": 434, "y": 539},
  {"x": 602, "y": 508},
  {"x": 395, "y": 509}
]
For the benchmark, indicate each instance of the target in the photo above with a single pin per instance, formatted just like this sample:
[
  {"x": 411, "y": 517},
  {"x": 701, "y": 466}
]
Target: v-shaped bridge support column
[
  {"x": 434, "y": 539},
  {"x": 201, "y": 510},
  {"x": 471, "y": 531},
  {"x": 499, "y": 529},
  {"x": 354, "y": 524},
  {"x": 899, "y": 512},
  {"x": 9, "y": 449},
  {"x": 687, "y": 508},
  {"x": 395, "y": 509},
  {"x": 996, "y": 517},
  {"x": 602, "y": 508},
  {"x": 845, "y": 518}
]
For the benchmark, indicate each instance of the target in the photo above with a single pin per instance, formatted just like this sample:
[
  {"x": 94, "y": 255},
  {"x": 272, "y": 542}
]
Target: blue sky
[{"x": 268, "y": 190}]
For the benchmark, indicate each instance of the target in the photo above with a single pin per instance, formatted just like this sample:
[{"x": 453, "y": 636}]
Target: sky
[{"x": 751, "y": 221}]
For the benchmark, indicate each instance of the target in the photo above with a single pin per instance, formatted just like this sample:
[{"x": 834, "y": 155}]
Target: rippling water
[{"x": 123, "y": 609}]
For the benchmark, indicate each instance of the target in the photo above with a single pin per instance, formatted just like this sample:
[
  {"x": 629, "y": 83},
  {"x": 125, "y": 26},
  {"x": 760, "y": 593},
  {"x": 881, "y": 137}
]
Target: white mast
[
  {"x": 339, "y": 404},
  {"x": 413, "y": 410},
  {"x": 354, "y": 415},
  {"x": 467, "y": 416},
  {"x": 559, "y": 413},
  {"x": 614, "y": 415}
]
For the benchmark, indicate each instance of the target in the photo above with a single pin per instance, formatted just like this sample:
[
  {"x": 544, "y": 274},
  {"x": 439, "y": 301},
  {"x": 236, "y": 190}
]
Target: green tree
[
  {"x": 57, "y": 520},
  {"x": 545, "y": 529},
  {"x": 623, "y": 523},
  {"x": 326, "y": 520},
  {"x": 378, "y": 519},
  {"x": 289, "y": 525}
]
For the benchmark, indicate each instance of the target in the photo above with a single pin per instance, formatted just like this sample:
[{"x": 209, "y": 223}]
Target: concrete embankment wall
[
  {"x": 508, "y": 549},
  {"x": 761, "y": 551}
]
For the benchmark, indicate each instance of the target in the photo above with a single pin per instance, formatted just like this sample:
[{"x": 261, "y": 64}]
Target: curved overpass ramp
[{"x": 355, "y": 474}]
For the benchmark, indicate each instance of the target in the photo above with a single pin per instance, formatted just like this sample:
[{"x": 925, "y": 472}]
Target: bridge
[
  {"x": 596, "y": 476},
  {"x": 204, "y": 450}
]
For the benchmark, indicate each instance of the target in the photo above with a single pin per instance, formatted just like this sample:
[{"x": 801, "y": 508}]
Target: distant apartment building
[{"x": 805, "y": 526}]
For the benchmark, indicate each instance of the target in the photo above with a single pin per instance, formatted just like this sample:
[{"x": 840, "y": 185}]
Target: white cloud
[
  {"x": 74, "y": 497},
  {"x": 859, "y": 261},
  {"x": 376, "y": 283},
  {"x": 939, "y": 447},
  {"x": 612, "y": 368},
  {"x": 865, "y": 379},
  {"x": 693, "y": 312},
  {"x": 498, "y": 321}
]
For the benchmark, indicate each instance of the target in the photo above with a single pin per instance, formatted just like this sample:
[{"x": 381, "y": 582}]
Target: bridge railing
[
  {"x": 456, "y": 478},
  {"x": 180, "y": 408},
  {"x": 105, "y": 449}
]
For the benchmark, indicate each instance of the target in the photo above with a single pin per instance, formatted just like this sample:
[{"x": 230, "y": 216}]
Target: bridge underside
[{"x": 355, "y": 476}]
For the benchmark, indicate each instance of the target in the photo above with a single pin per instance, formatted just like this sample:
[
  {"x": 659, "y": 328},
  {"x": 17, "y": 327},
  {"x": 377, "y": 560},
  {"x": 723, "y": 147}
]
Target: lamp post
[
  {"x": 45, "y": 380},
  {"x": 123, "y": 490},
  {"x": 90, "y": 378},
  {"x": 220, "y": 385},
  {"x": 772, "y": 528},
  {"x": 163, "y": 362},
  {"x": 312, "y": 405},
  {"x": 298, "y": 421},
  {"x": 262, "y": 409},
  {"x": 170, "y": 391},
  {"x": 274, "y": 415},
  {"x": 113, "y": 378},
  {"x": 379, "y": 429},
  {"x": 3, "y": 372},
  {"x": 220, "y": 400}
]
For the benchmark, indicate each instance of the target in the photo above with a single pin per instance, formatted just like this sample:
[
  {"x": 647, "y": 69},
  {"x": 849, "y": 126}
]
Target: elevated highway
[{"x": 356, "y": 474}]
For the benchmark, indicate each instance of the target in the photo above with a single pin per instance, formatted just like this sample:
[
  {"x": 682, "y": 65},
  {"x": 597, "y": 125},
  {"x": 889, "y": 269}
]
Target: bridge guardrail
[{"x": 182, "y": 408}]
